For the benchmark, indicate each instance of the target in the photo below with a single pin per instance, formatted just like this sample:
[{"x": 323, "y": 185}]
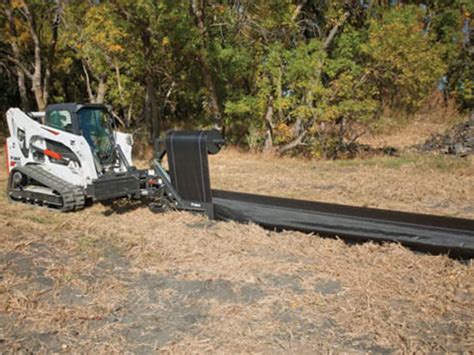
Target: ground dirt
[{"x": 118, "y": 279}]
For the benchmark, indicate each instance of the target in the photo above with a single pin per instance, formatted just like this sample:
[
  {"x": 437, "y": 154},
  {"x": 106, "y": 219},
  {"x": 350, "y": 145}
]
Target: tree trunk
[
  {"x": 36, "y": 82},
  {"x": 129, "y": 115},
  {"x": 155, "y": 119},
  {"x": 25, "y": 101},
  {"x": 197, "y": 8},
  {"x": 88, "y": 82},
  {"x": 334, "y": 30},
  {"x": 212, "y": 95},
  {"x": 298, "y": 126},
  {"x": 101, "y": 90},
  {"x": 38, "y": 92},
  {"x": 151, "y": 109},
  {"x": 340, "y": 143},
  {"x": 52, "y": 50},
  {"x": 39, "y": 81},
  {"x": 119, "y": 83},
  {"x": 268, "y": 147}
]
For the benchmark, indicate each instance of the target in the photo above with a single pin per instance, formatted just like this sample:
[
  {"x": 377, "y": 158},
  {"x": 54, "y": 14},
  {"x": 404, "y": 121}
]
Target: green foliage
[
  {"x": 305, "y": 77},
  {"x": 462, "y": 80},
  {"x": 404, "y": 61}
]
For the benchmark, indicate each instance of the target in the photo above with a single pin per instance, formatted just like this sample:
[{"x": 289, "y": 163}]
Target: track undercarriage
[{"x": 34, "y": 185}]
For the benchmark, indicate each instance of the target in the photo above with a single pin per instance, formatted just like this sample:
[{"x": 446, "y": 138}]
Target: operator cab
[{"x": 92, "y": 121}]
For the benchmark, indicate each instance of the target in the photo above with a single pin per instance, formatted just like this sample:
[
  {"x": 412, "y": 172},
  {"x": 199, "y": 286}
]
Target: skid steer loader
[{"x": 70, "y": 154}]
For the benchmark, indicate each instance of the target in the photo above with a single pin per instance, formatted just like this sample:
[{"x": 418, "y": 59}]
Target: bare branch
[
  {"x": 297, "y": 11},
  {"x": 298, "y": 140},
  {"x": 32, "y": 28},
  {"x": 119, "y": 82},
  {"x": 117, "y": 117},
  {"x": 101, "y": 90},
  {"x": 52, "y": 49},
  {"x": 293, "y": 144},
  {"x": 16, "y": 58},
  {"x": 334, "y": 30},
  {"x": 88, "y": 82},
  {"x": 20, "y": 65}
]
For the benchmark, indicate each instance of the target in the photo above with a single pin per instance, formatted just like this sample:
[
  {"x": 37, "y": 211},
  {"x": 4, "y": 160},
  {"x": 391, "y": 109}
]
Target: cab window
[
  {"x": 59, "y": 119},
  {"x": 95, "y": 127}
]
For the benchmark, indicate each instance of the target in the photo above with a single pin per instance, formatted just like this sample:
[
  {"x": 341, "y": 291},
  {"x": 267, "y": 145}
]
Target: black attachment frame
[{"x": 187, "y": 184}]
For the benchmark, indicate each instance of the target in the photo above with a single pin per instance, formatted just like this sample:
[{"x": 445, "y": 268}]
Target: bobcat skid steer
[{"x": 71, "y": 154}]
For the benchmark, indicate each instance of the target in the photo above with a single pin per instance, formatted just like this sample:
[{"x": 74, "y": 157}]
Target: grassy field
[
  {"x": 114, "y": 279},
  {"x": 432, "y": 184}
]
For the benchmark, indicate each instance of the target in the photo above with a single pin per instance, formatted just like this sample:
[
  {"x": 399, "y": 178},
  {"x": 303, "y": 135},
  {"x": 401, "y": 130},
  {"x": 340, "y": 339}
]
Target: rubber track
[{"x": 72, "y": 196}]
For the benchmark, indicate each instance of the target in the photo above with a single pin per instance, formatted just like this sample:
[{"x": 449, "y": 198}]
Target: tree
[
  {"x": 284, "y": 76},
  {"x": 30, "y": 45},
  {"x": 198, "y": 9},
  {"x": 404, "y": 62}
]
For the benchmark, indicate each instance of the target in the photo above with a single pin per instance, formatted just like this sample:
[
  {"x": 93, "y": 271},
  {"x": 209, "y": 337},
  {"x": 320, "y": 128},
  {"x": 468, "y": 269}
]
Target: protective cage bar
[{"x": 428, "y": 233}]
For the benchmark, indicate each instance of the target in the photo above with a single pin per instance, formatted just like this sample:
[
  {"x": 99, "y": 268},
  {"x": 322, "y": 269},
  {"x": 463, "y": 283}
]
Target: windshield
[{"x": 95, "y": 127}]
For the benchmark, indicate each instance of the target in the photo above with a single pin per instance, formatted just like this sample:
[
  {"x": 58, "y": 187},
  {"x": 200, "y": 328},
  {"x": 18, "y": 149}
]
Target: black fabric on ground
[{"x": 419, "y": 231}]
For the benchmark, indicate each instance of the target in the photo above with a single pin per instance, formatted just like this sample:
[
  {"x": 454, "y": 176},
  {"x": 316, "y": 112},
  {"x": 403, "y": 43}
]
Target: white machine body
[{"x": 32, "y": 142}]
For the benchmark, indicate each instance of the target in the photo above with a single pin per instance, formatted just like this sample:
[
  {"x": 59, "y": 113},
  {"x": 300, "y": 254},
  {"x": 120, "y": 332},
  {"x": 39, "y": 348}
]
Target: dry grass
[
  {"x": 404, "y": 132},
  {"x": 99, "y": 281},
  {"x": 432, "y": 184},
  {"x": 402, "y": 137}
]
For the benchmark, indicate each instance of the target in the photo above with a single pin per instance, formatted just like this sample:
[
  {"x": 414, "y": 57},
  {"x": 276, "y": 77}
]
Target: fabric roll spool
[{"x": 188, "y": 163}]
